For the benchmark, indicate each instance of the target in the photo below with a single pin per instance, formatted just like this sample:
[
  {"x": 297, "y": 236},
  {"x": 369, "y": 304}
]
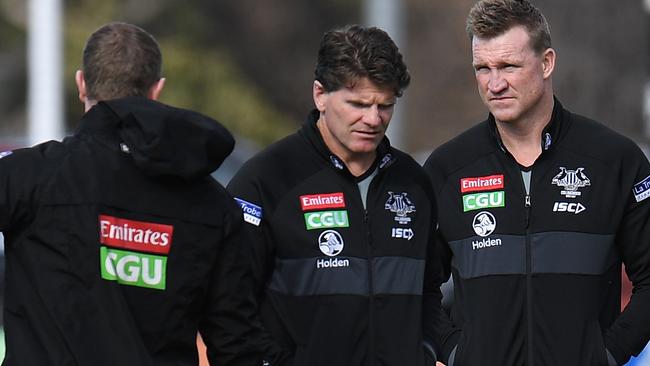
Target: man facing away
[
  {"x": 340, "y": 222},
  {"x": 538, "y": 207},
  {"x": 119, "y": 244}
]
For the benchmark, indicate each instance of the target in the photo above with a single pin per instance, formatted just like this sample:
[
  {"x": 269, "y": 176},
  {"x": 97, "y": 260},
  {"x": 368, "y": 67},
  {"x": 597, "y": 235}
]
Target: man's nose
[{"x": 497, "y": 83}]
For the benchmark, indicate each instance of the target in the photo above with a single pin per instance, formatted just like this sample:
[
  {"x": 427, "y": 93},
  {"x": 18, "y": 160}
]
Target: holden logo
[
  {"x": 484, "y": 223},
  {"x": 330, "y": 243}
]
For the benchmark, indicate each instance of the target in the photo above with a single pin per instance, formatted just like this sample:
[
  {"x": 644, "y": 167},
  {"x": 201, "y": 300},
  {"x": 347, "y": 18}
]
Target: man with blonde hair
[{"x": 538, "y": 207}]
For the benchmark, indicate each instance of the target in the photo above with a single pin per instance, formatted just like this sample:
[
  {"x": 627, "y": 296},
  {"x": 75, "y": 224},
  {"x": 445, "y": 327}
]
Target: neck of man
[
  {"x": 357, "y": 163},
  {"x": 360, "y": 165},
  {"x": 88, "y": 104},
  {"x": 523, "y": 137}
]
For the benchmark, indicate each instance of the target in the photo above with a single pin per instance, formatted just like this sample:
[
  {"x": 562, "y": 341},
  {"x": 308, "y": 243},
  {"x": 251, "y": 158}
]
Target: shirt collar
[
  {"x": 310, "y": 131},
  {"x": 550, "y": 134}
]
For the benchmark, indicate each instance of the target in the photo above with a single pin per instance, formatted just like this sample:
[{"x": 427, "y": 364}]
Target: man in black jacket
[
  {"x": 119, "y": 244},
  {"x": 340, "y": 222},
  {"x": 538, "y": 207}
]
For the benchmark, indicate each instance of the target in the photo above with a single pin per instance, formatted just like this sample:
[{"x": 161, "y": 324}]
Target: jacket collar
[
  {"x": 99, "y": 120},
  {"x": 551, "y": 134},
  {"x": 385, "y": 156}
]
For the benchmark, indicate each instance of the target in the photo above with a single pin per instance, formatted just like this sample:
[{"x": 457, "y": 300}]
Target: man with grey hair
[
  {"x": 538, "y": 207},
  {"x": 120, "y": 246}
]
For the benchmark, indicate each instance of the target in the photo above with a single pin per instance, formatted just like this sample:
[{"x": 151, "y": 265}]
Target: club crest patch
[
  {"x": 401, "y": 205},
  {"x": 571, "y": 181}
]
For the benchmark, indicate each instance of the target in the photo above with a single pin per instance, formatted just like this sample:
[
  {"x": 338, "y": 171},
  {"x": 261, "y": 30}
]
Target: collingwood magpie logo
[
  {"x": 401, "y": 205},
  {"x": 484, "y": 223},
  {"x": 571, "y": 181}
]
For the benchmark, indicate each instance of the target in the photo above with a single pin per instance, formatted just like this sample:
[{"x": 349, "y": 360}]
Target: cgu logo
[
  {"x": 572, "y": 207},
  {"x": 133, "y": 269},
  {"x": 326, "y": 219},
  {"x": 478, "y": 201}
]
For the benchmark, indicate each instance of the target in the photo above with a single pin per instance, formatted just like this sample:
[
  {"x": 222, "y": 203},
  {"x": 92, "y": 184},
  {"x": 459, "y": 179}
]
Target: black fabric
[
  {"x": 108, "y": 265},
  {"x": 379, "y": 303},
  {"x": 171, "y": 141},
  {"x": 549, "y": 292},
  {"x": 349, "y": 276},
  {"x": 507, "y": 254}
]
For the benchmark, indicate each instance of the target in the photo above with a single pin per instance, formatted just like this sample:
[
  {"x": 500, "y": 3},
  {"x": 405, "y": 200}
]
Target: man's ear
[
  {"x": 81, "y": 86},
  {"x": 548, "y": 62},
  {"x": 320, "y": 95},
  {"x": 156, "y": 89}
]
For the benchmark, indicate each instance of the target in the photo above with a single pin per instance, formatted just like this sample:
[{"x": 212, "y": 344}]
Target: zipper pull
[{"x": 527, "y": 205}]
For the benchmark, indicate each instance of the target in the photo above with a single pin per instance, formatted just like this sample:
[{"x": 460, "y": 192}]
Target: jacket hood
[{"x": 167, "y": 141}]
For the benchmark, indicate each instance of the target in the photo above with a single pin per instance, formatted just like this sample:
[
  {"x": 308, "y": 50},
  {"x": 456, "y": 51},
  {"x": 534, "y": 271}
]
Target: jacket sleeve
[
  {"x": 230, "y": 320},
  {"x": 259, "y": 250},
  {"x": 434, "y": 318},
  {"x": 19, "y": 171},
  {"x": 628, "y": 335},
  {"x": 446, "y": 333},
  {"x": 631, "y": 331}
]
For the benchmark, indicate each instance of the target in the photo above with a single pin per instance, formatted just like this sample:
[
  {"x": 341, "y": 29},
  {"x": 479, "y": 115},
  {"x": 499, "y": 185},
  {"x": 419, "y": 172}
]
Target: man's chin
[{"x": 502, "y": 115}]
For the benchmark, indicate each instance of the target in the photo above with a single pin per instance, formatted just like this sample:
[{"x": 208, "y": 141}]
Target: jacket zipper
[
  {"x": 371, "y": 292},
  {"x": 529, "y": 292}
]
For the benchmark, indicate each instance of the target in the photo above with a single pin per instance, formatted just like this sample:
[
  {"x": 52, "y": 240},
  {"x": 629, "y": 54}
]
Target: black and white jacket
[
  {"x": 340, "y": 284},
  {"x": 120, "y": 246},
  {"x": 537, "y": 274}
]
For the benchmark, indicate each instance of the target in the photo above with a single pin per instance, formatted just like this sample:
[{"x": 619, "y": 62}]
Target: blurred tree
[
  {"x": 12, "y": 70},
  {"x": 249, "y": 63},
  {"x": 201, "y": 76}
]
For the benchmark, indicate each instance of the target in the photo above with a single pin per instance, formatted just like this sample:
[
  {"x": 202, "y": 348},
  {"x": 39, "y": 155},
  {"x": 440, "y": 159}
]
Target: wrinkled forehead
[
  {"x": 367, "y": 90},
  {"x": 514, "y": 42}
]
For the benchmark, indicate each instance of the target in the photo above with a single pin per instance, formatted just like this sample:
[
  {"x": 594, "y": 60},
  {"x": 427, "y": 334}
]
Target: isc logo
[
  {"x": 571, "y": 207},
  {"x": 401, "y": 233}
]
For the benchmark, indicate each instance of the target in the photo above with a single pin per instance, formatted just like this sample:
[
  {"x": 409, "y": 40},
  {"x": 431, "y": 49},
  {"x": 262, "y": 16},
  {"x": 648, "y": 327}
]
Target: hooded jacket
[
  {"x": 120, "y": 246},
  {"x": 537, "y": 272},
  {"x": 339, "y": 283}
]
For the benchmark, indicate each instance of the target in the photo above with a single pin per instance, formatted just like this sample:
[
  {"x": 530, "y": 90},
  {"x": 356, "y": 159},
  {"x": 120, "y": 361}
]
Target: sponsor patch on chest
[
  {"x": 326, "y": 219},
  {"x": 322, "y": 201},
  {"x": 484, "y": 223},
  {"x": 477, "y": 201},
  {"x": 477, "y": 184}
]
